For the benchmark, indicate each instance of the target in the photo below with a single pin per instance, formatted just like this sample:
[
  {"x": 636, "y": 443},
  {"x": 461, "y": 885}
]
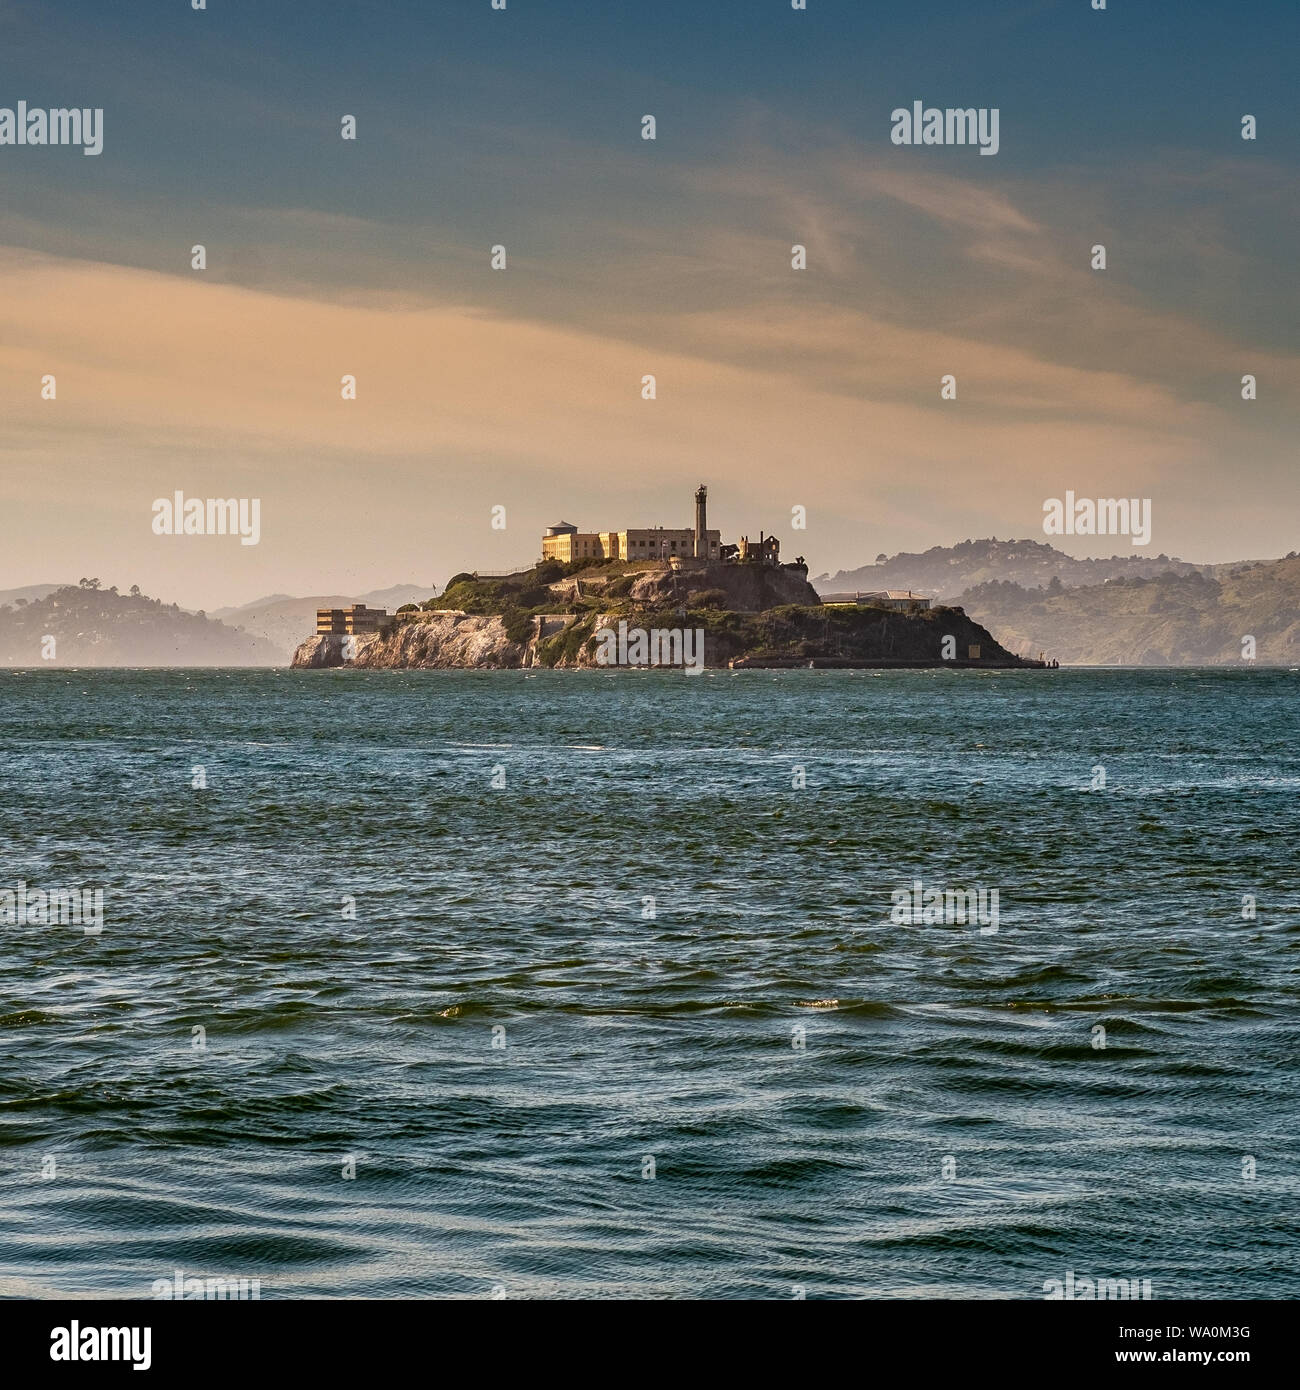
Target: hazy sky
[{"x": 626, "y": 257}]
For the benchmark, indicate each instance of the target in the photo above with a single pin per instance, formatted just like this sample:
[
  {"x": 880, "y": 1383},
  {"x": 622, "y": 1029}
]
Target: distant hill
[
  {"x": 100, "y": 627},
  {"x": 944, "y": 571},
  {"x": 1170, "y": 620},
  {"x": 28, "y": 594},
  {"x": 284, "y": 621}
]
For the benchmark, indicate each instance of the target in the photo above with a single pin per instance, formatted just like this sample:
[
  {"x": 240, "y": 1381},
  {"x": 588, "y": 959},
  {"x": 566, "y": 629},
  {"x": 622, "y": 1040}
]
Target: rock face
[
  {"x": 790, "y": 635},
  {"x": 325, "y": 649},
  {"x": 740, "y": 588},
  {"x": 436, "y": 641}
]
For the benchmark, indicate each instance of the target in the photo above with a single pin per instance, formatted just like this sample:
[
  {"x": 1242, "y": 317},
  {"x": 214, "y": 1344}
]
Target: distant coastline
[{"x": 1125, "y": 612}]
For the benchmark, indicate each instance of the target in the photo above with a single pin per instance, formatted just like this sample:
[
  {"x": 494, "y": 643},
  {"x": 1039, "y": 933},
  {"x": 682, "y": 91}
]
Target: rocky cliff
[
  {"x": 740, "y": 588},
  {"x": 790, "y": 635},
  {"x": 432, "y": 640}
]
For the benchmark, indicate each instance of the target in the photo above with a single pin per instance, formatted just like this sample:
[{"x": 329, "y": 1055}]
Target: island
[{"x": 654, "y": 597}]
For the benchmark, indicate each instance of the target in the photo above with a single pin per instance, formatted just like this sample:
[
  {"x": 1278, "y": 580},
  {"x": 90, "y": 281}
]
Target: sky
[{"x": 521, "y": 388}]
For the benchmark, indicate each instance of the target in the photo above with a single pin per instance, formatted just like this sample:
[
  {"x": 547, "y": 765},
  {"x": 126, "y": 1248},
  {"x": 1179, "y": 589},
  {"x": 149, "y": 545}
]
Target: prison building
[
  {"x": 564, "y": 541},
  {"x": 349, "y": 621}
]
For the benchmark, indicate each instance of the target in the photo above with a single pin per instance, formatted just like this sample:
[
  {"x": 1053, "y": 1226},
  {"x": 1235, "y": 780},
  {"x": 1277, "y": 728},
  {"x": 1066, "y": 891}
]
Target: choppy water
[{"x": 627, "y": 1036}]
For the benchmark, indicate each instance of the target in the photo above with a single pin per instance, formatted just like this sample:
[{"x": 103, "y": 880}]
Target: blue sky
[{"x": 522, "y": 128}]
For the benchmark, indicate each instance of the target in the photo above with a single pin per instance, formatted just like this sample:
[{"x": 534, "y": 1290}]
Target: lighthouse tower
[{"x": 701, "y": 523}]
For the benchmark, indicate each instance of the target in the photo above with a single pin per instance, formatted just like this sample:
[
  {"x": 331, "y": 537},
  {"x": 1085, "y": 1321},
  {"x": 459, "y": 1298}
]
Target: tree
[{"x": 135, "y": 591}]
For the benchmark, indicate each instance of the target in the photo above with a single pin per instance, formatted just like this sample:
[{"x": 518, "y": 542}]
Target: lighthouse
[{"x": 701, "y": 523}]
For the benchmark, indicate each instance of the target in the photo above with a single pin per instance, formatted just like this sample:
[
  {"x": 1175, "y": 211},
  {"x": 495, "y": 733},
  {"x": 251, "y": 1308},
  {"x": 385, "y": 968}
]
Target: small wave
[{"x": 26, "y": 1018}]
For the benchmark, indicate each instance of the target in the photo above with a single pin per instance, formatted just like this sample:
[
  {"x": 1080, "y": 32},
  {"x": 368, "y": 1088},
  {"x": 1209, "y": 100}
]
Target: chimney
[{"x": 701, "y": 523}]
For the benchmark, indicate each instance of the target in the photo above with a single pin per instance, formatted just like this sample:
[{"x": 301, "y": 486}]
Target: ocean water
[{"x": 636, "y": 1022}]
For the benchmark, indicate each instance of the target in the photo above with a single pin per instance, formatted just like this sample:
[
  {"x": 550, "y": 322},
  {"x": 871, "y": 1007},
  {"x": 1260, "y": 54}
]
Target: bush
[
  {"x": 409, "y": 608},
  {"x": 709, "y": 598},
  {"x": 471, "y": 595},
  {"x": 567, "y": 644},
  {"x": 461, "y": 578},
  {"x": 518, "y": 624}
]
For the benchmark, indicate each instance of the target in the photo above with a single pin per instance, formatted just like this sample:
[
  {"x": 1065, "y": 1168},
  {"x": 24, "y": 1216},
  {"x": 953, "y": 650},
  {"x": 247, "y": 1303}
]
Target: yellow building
[
  {"x": 564, "y": 541},
  {"x": 658, "y": 543},
  {"x": 352, "y": 620}
]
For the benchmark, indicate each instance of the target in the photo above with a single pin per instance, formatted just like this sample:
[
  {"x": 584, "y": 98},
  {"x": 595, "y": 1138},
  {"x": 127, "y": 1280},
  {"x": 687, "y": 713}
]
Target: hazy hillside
[
  {"x": 284, "y": 621},
  {"x": 945, "y": 571},
  {"x": 29, "y": 593},
  {"x": 1172, "y": 620},
  {"x": 100, "y": 627}
]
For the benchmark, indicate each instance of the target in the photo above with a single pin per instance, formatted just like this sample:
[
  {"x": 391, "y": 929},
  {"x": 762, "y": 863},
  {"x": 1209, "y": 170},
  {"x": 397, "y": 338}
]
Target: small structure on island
[
  {"x": 349, "y": 621},
  {"x": 902, "y": 600},
  {"x": 766, "y": 551}
]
